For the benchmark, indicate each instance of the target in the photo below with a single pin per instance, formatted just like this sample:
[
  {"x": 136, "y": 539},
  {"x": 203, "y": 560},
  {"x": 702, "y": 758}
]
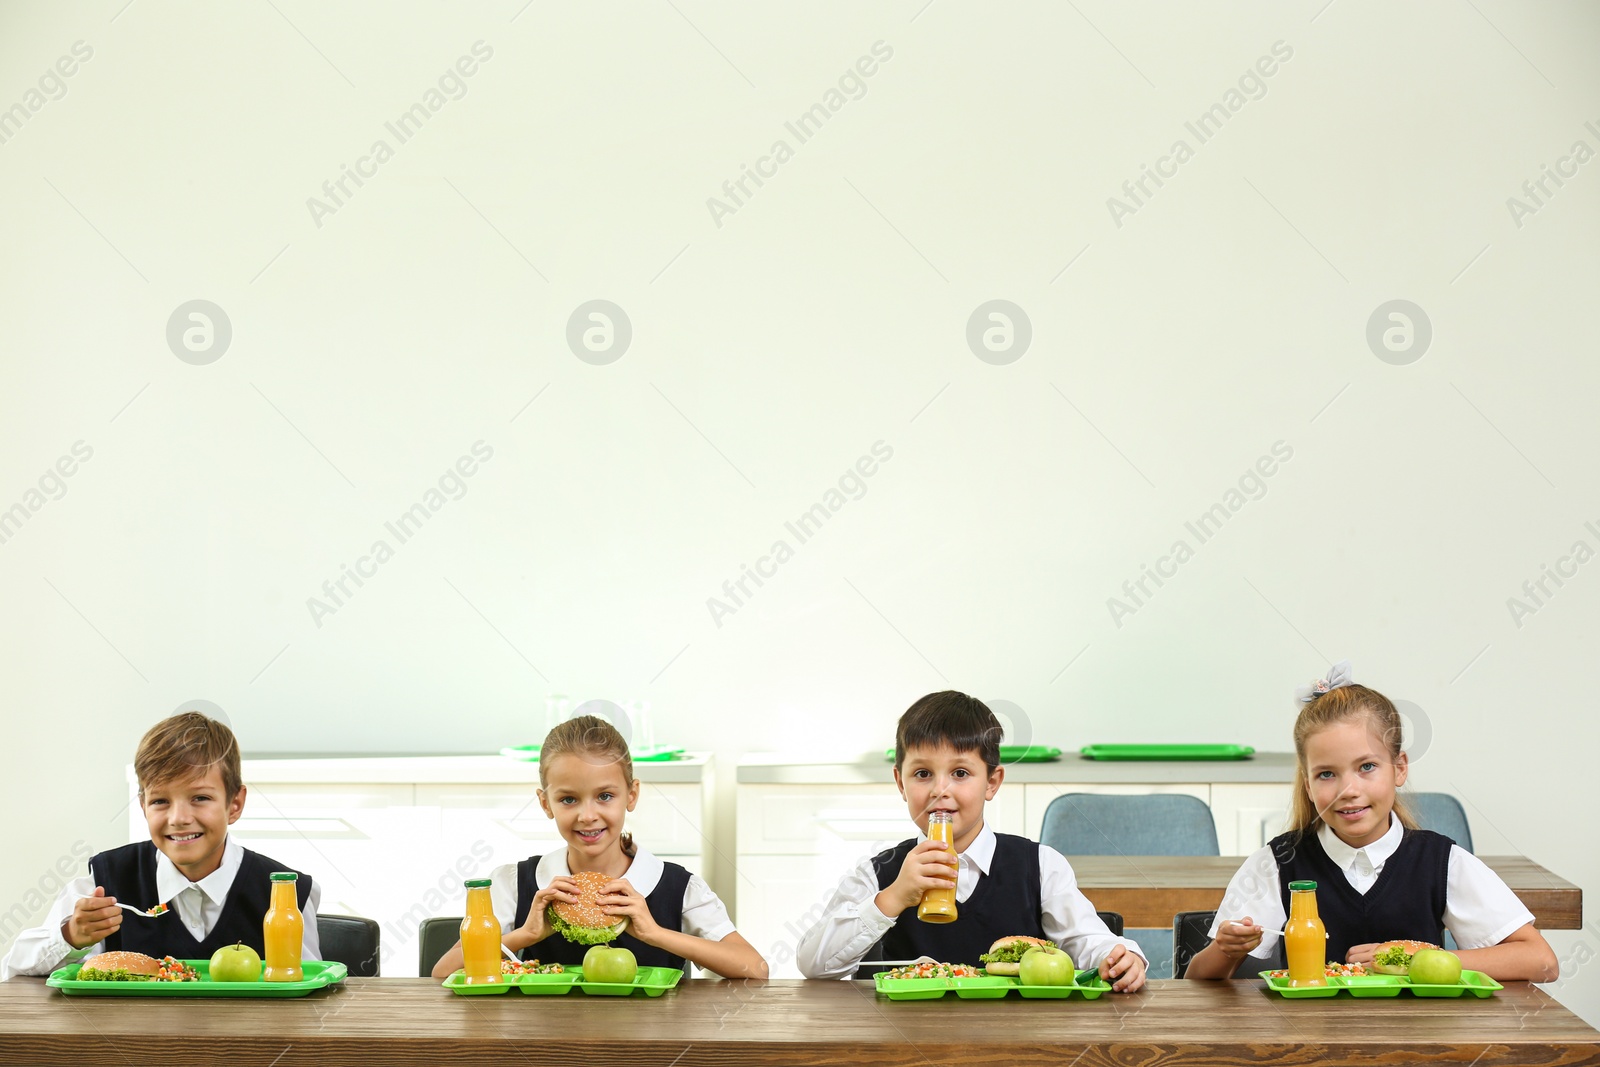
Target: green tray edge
[
  {"x": 1167, "y": 752},
  {"x": 328, "y": 972}
]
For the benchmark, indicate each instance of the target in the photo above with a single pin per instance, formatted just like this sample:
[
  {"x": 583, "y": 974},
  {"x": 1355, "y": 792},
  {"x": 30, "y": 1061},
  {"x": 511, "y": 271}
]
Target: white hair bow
[{"x": 1338, "y": 674}]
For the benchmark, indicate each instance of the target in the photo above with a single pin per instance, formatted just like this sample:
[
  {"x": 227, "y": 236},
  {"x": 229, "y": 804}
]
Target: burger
[
  {"x": 584, "y": 921},
  {"x": 120, "y": 967},
  {"x": 1005, "y": 955},
  {"x": 1394, "y": 957}
]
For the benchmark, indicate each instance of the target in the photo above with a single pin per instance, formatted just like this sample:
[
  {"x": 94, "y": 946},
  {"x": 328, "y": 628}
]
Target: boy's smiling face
[
  {"x": 189, "y": 820},
  {"x": 944, "y": 778}
]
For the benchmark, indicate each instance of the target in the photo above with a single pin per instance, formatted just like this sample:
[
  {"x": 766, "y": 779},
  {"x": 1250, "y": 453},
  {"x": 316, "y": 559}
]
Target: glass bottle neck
[
  {"x": 283, "y": 895},
  {"x": 1302, "y": 905}
]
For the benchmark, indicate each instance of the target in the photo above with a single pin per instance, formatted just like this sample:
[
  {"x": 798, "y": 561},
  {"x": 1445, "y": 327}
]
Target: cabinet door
[
  {"x": 780, "y": 898},
  {"x": 1248, "y": 815}
]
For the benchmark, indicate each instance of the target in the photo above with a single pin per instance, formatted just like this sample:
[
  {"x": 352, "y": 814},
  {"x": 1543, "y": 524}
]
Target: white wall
[{"x": 826, "y": 313}]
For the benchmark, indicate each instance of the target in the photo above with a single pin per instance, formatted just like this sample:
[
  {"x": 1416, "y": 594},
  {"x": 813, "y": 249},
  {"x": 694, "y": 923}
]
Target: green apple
[
  {"x": 605, "y": 964},
  {"x": 1046, "y": 966},
  {"x": 235, "y": 963},
  {"x": 1435, "y": 966}
]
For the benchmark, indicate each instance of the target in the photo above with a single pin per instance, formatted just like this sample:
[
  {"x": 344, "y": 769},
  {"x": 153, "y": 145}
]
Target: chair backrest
[
  {"x": 1149, "y": 824},
  {"x": 1113, "y": 921},
  {"x": 350, "y": 940},
  {"x": 1441, "y": 813},
  {"x": 1189, "y": 930},
  {"x": 435, "y": 937}
]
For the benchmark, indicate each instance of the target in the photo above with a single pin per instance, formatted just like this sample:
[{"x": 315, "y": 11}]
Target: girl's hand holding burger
[
  {"x": 619, "y": 899},
  {"x": 536, "y": 927}
]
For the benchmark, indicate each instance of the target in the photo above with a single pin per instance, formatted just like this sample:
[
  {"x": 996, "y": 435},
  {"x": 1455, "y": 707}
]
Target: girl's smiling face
[
  {"x": 588, "y": 798},
  {"x": 1351, "y": 779}
]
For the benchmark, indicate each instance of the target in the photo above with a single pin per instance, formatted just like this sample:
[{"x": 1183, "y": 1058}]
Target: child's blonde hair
[
  {"x": 594, "y": 740},
  {"x": 1340, "y": 705}
]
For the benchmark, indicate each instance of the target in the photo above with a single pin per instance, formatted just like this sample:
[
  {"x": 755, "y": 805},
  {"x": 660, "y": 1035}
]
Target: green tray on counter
[
  {"x": 319, "y": 974},
  {"x": 655, "y": 754},
  {"x": 1166, "y": 752},
  {"x": 651, "y": 981},
  {"x": 1087, "y": 984},
  {"x": 1384, "y": 985},
  {"x": 1016, "y": 753}
]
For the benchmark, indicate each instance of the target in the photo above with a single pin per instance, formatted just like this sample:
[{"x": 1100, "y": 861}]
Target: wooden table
[
  {"x": 1149, "y": 890},
  {"x": 377, "y": 1022}
]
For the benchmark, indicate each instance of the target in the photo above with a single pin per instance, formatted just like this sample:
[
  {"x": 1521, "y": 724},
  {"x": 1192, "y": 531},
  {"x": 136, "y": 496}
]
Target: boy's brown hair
[
  {"x": 963, "y": 722},
  {"x": 185, "y": 745}
]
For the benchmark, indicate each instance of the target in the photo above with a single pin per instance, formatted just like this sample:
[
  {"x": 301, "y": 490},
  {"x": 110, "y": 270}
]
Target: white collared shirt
[
  {"x": 704, "y": 914},
  {"x": 851, "y": 923},
  {"x": 198, "y": 905},
  {"x": 1479, "y": 910}
]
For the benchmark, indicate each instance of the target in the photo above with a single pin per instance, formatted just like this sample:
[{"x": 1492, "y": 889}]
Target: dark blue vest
[
  {"x": 1004, "y": 903},
  {"x": 665, "y": 902},
  {"x": 129, "y": 874},
  {"x": 1405, "y": 903}
]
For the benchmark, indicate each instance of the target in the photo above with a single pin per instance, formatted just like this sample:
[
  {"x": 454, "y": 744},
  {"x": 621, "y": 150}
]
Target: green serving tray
[
  {"x": 1385, "y": 985},
  {"x": 657, "y": 754},
  {"x": 529, "y": 983},
  {"x": 318, "y": 975},
  {"x": 1087, "y": 984},
  {"x": 1166, "y": 752},
  {"x": 1015, "y": 753}
]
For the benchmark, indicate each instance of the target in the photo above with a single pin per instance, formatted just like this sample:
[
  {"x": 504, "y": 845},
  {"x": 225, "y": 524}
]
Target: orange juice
[
  {"x": 480, "y": 935},
  {"x": 939, "y": 905},
  {"x": 284, "y": 931},
  {"x": 1305, "y": 941}
]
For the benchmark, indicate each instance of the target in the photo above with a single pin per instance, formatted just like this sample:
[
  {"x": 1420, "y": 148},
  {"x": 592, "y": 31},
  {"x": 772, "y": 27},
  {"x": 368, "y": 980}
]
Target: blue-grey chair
[
  {"x": 1151, "y": 824},
  {"x": 1441, "y": 813}
]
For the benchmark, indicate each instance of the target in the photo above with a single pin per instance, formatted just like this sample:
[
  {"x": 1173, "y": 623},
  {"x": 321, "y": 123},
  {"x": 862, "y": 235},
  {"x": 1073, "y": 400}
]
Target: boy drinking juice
[
  {"x": 947, "y": 759},
  {"x": 217, "y": 891}
]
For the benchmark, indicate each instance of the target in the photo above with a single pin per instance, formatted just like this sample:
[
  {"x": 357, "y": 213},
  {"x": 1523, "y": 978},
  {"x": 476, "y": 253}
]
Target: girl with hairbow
[{"x": 1379, "y": 877}]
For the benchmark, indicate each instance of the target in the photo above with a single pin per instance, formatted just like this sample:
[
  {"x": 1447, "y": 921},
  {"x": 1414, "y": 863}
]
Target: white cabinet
[{"x": 1248, "y": 814}]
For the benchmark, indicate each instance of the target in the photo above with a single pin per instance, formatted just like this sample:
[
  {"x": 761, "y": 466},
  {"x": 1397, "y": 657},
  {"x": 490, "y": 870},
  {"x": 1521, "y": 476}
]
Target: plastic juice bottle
[
  {"x": 284, "y": 931},
  {"x": 1305, "y": 941},
  {"x": 480, "y": 936},
  {"x": 939, "y": 905}
]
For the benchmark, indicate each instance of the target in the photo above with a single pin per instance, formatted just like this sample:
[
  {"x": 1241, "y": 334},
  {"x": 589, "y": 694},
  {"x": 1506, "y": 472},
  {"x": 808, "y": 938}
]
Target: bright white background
[{"x": 826, "y": 313}]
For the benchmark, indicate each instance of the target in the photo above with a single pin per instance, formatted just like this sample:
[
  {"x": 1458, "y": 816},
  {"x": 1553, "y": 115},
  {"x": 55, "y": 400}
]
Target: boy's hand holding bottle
[
  {"x": 536, "y": 927},
  {"x": 928, "y": 866}
]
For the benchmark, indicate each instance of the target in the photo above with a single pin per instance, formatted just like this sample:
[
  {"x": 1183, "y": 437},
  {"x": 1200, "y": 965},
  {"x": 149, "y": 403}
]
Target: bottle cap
[
  {"x": 1302, "y": 887},
  {"x": 478, "y": 883},
  {"x": 285, "y": 876}
]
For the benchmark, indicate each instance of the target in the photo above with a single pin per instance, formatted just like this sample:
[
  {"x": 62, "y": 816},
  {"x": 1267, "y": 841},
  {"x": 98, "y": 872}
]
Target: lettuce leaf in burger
[{"x": 584, "y": 921}]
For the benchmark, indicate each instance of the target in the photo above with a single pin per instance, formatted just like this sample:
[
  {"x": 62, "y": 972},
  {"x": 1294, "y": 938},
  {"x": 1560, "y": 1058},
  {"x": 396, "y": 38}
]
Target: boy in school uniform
[
  {"x": 217, "y": 891},
  {"x": 947, "y": 758}
]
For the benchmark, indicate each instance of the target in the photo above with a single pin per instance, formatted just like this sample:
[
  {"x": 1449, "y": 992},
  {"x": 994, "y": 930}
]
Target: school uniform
[
  {"x": 1005, "y": 885},
  {"x": 226, "y": 906},
  {"x": 1407, "y": 885},
  {"x": 677, "y": 898}
]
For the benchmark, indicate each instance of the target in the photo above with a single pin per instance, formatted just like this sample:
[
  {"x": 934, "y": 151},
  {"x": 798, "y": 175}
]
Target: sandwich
[
  {"x": 1005, "y": 955},
  {"x": 585, "y": 922},
  {"x": 1394, "y": 957},
  {"x": 120, "y": 967}
]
